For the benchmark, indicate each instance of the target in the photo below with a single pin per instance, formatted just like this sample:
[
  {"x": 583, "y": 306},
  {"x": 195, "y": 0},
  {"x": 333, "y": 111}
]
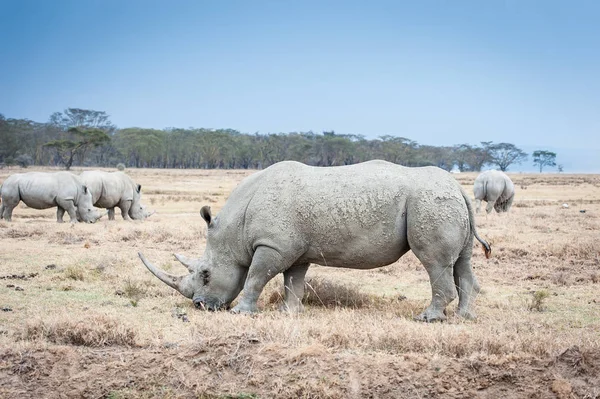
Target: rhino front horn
[
  {"x": 101, "y": 215},
  {"x": 169, "y": 279}
]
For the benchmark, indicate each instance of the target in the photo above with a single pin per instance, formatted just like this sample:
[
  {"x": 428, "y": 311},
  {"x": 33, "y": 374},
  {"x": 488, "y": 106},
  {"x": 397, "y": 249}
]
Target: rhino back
[
  {"x": 40, "y": 190},
  {"x": 338, "y": 215},
  {"x": 93, "y": 181},
  {"x": 109, "y": 188}
]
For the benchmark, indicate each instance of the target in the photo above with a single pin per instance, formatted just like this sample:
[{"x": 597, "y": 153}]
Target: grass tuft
[
  {"x": 74, "y": 273},
  {"x": 95, "y": 331},
  {"x": 326, "y": 293},
  {"x": 538, "y": 301}
]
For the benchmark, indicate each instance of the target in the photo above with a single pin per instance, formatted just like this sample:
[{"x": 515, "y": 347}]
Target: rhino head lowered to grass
[
  {"x": 116, "y": 189},
  {"x": 362, "y": 216}
]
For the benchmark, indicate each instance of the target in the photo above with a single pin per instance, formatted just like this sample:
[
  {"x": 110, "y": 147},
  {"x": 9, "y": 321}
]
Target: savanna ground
[{"x": 82, "y": 317}]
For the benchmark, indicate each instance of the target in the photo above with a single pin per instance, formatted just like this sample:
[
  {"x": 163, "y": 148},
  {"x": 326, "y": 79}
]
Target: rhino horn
[
  {"x": 169, "y": 279},
  {"x": 100, "y": 216},
  {"x": 187, "y": 262},
  {"x": 150, "y": 214}
]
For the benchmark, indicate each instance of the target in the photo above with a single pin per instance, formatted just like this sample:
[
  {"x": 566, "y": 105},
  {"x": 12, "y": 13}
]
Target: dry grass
[
  {"x": 86, "y": 288},
  {"x": 97, "y": 331}
]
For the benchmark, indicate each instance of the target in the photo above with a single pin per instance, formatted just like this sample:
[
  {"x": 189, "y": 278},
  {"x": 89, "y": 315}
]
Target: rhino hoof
[{"x": 430, "y": 317}]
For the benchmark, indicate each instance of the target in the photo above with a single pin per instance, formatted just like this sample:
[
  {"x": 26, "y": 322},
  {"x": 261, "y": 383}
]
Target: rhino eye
[{"x": 205, "y": 274}]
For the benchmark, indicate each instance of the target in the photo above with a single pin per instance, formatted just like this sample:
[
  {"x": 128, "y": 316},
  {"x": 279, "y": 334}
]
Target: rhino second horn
[
  {"x": 169, "y": 279},
  {"x": 187, "y": 262}
]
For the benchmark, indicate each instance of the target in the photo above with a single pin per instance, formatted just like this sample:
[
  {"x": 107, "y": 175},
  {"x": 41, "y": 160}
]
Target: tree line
[{"x": 88, "y": 138}]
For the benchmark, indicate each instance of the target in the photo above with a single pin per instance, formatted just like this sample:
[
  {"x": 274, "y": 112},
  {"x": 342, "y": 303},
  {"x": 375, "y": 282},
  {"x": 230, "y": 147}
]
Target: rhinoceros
[
  {"x": 363, "y": 216},
  {"x": 41, "y": 190},
  {"x": 496, "y": 188},
  {"x": 115, "y": 189}
]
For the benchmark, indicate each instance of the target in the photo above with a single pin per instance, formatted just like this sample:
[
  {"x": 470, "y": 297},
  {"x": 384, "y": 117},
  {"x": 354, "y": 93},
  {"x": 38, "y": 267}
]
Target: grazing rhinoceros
[
  {"x": 115, "y": 189},
  {"x": 40, "y": 190},
  {"x": 362, "y": 216},
  {"x": 496, "y": 188}
]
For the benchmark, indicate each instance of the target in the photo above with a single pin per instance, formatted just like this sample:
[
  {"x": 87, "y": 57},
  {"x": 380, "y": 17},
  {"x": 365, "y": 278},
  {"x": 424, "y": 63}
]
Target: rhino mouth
[{"x": 211, "y": 306}]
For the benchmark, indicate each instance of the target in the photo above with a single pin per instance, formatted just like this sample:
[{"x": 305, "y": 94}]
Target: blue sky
[{"x": 438, "y": 72}]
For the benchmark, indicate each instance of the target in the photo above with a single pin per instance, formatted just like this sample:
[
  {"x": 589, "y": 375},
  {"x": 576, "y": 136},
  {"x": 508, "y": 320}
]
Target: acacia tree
[
  {"x": 77, "y": 117},
  {"x": 476, "y": 157},
  {"x": 80, "y": 141},
  {"x": 80, "y": 130},
  {"x": 544, "y": 158},
  {"x": 505, "y": 154}
]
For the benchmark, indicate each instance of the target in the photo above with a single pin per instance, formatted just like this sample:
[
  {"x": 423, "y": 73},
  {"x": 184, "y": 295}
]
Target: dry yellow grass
[{"x": 76, "y": 299}]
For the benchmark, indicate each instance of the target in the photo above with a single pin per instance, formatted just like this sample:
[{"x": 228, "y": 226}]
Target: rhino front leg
[
  {"x": 60, "y": 212},
  {"x": 266, "y": 263},
  {"x": 124, "y": 206},
  {"x": 293, "y": 281},
  {"x": 111, "y": 213},
  {"x": 66, "y": 205}
]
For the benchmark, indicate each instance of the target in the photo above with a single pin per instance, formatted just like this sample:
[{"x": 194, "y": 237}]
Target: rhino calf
[
  {"x": 496, "y": 188},
  {"x": 115, "y": 189},
  {"x": 363, "y": 216},
  {"x": 39, "y": 190}
]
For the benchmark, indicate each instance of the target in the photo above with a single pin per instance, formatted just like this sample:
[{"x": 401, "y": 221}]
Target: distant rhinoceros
[
  {"x": 115, "y": 189},
  {"x": 496, "y": 188},
  {"x": 363, "y": 216},
  {"x": 40, "y": 190}
]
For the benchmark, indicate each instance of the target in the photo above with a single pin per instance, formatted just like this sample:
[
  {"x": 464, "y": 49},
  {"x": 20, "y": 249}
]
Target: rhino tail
[{"x": 487, "y": 248}]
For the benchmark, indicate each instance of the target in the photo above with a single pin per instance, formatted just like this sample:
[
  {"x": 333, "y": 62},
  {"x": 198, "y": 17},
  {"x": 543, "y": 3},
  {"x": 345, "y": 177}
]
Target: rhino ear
[
  {"x": 139, "y": 188},
  {"x": 85, "y": 189},
  {"x": 205, "y": 213}
]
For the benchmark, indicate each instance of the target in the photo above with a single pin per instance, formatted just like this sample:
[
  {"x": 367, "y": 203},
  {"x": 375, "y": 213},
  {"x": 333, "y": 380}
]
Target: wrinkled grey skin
[
  {"x": 362, "y": 216},
  {"x": 496, "y": 188},
  {"x": 40, "y": 190},
  {"x": 115, "y": 189}
]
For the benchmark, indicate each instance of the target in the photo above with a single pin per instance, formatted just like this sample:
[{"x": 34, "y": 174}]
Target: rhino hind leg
[
  {"x": 466, "y": 285},
  {"x": 293, "y": 281},
  {"x": 111, "y": 213},
  {"x": 266, "y": 264},
  {"x": 443, "y": 292},
  {"x": 6, "y": 212},
  {"x": 477, "y": 205},
  {"x": 438, "y": 242},
  {"x": 490, "y": 206},
  {"x": 6, "y": 208}
]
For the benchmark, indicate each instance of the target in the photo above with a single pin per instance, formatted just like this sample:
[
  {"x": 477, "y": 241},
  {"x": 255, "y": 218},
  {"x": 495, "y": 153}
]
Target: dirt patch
[{"x": 241, "y": 367}]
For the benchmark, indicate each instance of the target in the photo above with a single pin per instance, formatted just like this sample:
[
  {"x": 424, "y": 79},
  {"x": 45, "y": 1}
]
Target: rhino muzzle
[{"x": 212, "y": 305}]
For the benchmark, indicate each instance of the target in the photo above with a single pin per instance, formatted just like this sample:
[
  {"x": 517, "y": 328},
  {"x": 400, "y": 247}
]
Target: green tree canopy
[
  {"x": 505, "y": 154},
  {"x": 544, "y": 158},
  {"x": 80, "y": 140}
]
